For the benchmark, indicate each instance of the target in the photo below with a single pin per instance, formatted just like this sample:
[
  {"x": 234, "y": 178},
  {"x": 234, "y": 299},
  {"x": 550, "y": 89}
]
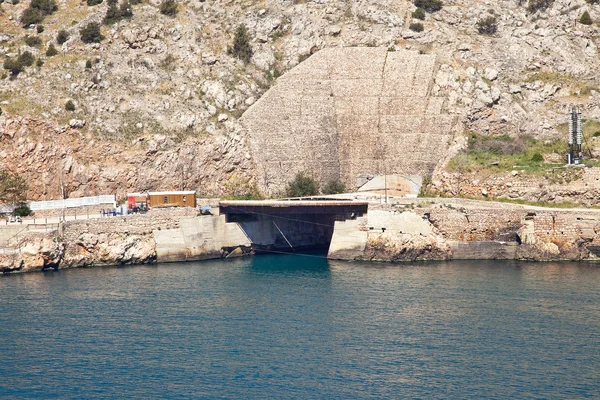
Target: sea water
[{"x": 282, "y": 326}]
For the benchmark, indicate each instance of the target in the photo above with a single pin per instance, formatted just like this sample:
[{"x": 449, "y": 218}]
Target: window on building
[{"x": 166, "y": 199}]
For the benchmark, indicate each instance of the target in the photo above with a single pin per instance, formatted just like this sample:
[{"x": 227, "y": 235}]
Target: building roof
[{"x": 171, "y": 193}]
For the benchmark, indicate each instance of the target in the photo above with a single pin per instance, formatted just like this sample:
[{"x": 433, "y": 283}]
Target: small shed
[
  {"x": 172, "y": 199},
  {"x": 137, "y": 200}
]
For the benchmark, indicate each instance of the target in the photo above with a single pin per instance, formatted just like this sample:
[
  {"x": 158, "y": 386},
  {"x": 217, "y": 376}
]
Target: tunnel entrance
[{"x": 290, "y": 226}]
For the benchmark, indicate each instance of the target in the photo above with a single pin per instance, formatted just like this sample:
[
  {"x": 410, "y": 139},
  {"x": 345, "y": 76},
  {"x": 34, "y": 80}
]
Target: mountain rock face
[{"x": 157, "y": 102}]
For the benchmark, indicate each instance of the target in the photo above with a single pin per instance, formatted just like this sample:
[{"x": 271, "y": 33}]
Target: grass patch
[
  {"x": 503, "y": 153},
  {"x": 562, "y": 79}
]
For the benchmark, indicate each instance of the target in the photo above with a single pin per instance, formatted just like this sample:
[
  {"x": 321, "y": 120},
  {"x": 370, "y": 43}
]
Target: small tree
[
  {"x": 31, "y": 16},
  {"x": 242, "y": 48},
  {"x": 302, "y": 185},
  {"x": 39, "y": 28},
  {"x": 51, "y": 52},
  {"x": 168, "y": 7},
  {"x": 487, "y": 26},
  {"x": 586, "y": 19},
  {"x": 22, "y": 210},
  {"x": 91, "y": 33},
  {"x": 430, "y": 6},
  {"x": 62, "y": 36},
  {"x": 13, "y": 188},
  {"x": 334, "y": 186},
  {"x": 45, "y": 6},
  {"x": 26, "y": 59},
  {"x": 416, "y": 27},
  {"x": 69, "y": 105},
  {"x": 33, "y": 41},
  {"x": 419, "y": 13}
]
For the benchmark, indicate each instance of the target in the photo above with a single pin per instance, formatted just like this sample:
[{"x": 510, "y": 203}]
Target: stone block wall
[{"x": 346, "y": 112}]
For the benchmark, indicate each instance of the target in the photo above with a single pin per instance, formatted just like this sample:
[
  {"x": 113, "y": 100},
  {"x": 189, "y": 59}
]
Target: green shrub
[
  {"x": 302, "y": 185},
  {"x": 125, "y": 10},
  {"x": 538, "y": 5},
  {"x": 416, "y": 27},
  {"x": 33, "y": 41},
  {"x": 51, "y": 52},
  {"x": 419, "y": 13},
  {"x": 92, "y": 3},
  {"x": 39, "y": 28},
  {"x": 31, "y": 16},
  {"x": 115, "y": 13},
  {"x": 430, "y": 6},
  {"x": 91, "y": 33},
  {"x": 47, "y": 7},
  {"x": 39, "y": 63},
  {"x": 69, "y": 105},
  {"x": 22, "y": 210},
  {"x": 334, "y": 186},
  {"x": 242, "y": 48},
  {"x": 487, "y": 26},
  {"x": 592, "y": 1},
  {"x": 13, "y": 65},
  {"x": 62, "y": 36},
  {"x": 596, "y": 134},
  {"x": 586, "y": 19},
  {"x": 26, "y": 59},
  {"x": 88, "y": 64},
  {"x": 537, "y": 157},
  {"x": 168, "y": 7}
]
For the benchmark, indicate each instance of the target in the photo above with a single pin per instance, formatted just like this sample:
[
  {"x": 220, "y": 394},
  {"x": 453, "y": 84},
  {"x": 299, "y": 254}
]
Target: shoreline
[{"x": 408, "y": 230}]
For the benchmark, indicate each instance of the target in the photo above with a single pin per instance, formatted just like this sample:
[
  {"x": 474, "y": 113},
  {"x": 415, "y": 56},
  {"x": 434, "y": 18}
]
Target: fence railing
[{"x": 76, "y": 202}]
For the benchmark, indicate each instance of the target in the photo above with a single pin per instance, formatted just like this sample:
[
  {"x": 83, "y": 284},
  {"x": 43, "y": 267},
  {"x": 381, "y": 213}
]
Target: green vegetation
[
  {"x": 36, "y": 11},
  {"x": 334, "y": 186},
  {"x": 168, "y": 7},
  {"x": 88, "y": 64},
  {"x": 503, "y": 153},
  {"x": 592, "y": 1},
  {"x": 91, "y": 33},
  {"x": 92, "y": 3},
  {"x": 51, "y": 52},
  {"x": 416, "y": 27},
  {"x": 430, "y": 6},
  {"x": 302, "y": 185},
  {"x": 69, "y": 105},
  {"x": 487, "y": 26},
  {"x": 62, "y": 36},
  {"x": 22, "y": 210},
  {"x": 241, "y": 44},
  {"x": 538, "y": 5},
  {"x": 586, "y": 19},
  {"x": 18, "y": 64},
  {"x": 33, "y": 41},
  {"x": 419, "y": 13},
  {"x": 13, "y": 188},
  {"x": 39, "y": 28},
  {"x": 39, "y": 63},
  {"x": 115, "y": 13}
]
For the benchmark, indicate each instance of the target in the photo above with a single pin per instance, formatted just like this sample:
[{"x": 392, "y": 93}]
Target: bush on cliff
[
  {"x": 430, "y": 6},
  {"x": 168, "y": 7},
  {"x": 586, "y": 19},
  {"x": 22, "y": 210},
  {"x": 416, "y": 27},
  {"x": 91, "y": 33},
  {"x": 51, "y": 52},
  {"x": 334, "y": 186},
  {"x": 302, "y": 185},
  {"x": 241, "y": 48},
  {"x": 62, "y": 36},
  {"x": 419, "y": 13},
  {"x": 13, "y": 188},
  {"x": 538, "y": 5},
  {"x": 487, "y": 26}
]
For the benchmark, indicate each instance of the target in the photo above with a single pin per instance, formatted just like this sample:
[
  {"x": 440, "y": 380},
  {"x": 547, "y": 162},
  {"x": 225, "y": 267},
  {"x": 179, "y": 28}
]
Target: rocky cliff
[{"x": 157, "y": 102}]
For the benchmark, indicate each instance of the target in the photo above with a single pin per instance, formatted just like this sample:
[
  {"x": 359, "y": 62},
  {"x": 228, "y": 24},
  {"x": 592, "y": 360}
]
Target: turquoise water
[{"x": 302, "y": 327}]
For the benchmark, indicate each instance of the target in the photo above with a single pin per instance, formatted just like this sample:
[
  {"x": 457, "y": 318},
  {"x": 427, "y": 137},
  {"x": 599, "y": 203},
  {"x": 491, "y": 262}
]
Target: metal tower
[{"x": 575, "y": 155}]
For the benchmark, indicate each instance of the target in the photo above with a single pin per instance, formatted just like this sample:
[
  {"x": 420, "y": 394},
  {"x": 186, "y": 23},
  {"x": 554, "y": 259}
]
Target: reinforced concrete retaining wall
[{"x": 345, "y": 112}]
